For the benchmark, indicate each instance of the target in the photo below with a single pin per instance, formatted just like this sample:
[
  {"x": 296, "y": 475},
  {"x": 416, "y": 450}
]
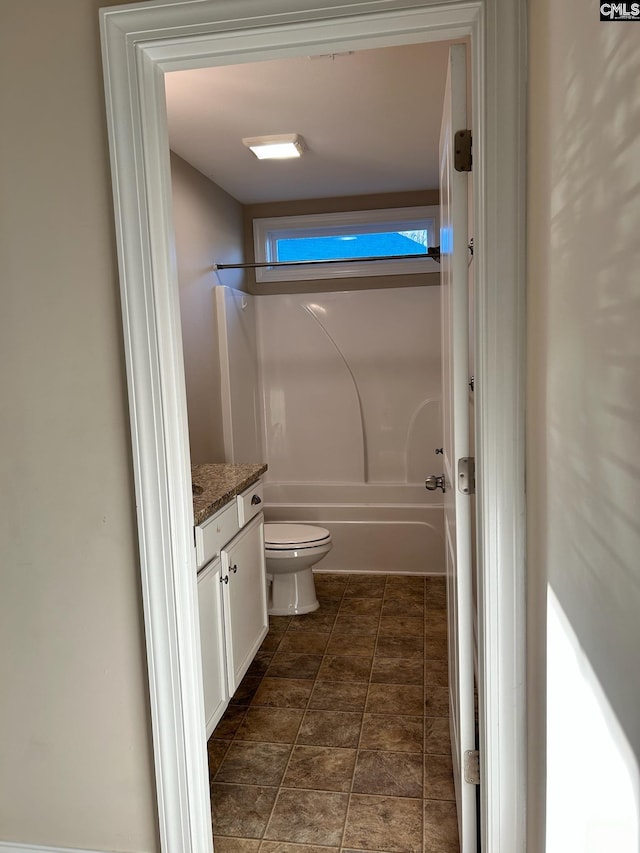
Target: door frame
[{"x": 139, "y": 43}]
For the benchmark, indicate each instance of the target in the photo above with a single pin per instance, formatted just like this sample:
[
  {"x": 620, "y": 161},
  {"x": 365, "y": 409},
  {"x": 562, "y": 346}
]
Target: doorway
[
  {"x": 324, "y": 735},
  {"x": 140, "y": 43}
]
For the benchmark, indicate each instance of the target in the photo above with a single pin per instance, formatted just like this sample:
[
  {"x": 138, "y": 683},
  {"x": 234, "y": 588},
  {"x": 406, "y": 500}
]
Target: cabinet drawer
[
  {"x": 250, "y": 503},
  {"x": 215, "y": 532}
]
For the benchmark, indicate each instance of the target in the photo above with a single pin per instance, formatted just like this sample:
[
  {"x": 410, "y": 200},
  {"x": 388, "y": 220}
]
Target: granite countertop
[{"x": 220, "y": 483}]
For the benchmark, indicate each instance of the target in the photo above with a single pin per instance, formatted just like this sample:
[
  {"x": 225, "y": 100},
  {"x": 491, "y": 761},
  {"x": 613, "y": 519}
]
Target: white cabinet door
[
  {"x": 245, "y": 599},
  {"x": 214, "y": 675}
]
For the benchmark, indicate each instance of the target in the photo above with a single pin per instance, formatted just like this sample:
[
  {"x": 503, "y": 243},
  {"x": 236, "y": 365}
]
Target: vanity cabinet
[
  {"x": 245, "y": 599},
  {"x": 212, "y": 644},
  {"x": 232, "y": 599}
]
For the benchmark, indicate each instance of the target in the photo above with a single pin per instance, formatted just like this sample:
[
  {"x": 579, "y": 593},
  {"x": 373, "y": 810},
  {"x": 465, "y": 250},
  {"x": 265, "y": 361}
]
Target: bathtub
[{"x": 375, "y": 527}]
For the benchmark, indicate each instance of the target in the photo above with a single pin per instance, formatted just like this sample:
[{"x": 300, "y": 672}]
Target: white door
[{"x": 455, "y": 359}]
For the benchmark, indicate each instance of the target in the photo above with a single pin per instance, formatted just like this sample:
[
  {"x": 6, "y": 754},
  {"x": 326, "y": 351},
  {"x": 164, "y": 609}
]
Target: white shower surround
[
  {"x": 351, "y": 384},
  {"x": 351, "y": 388}
]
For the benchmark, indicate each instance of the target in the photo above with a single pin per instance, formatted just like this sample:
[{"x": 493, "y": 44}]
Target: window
[{"x": 340, "y": 239}]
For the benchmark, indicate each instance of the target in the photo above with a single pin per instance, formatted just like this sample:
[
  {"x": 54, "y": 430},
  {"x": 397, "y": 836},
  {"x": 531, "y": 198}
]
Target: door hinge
[
  {"x": 467, "y": 475},
  {"x": 462, "y": 151},
  {"x": 472, "y": 767}
]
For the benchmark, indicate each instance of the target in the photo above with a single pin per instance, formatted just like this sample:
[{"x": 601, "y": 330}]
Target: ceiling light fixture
[{"x": 281, "y": 147}]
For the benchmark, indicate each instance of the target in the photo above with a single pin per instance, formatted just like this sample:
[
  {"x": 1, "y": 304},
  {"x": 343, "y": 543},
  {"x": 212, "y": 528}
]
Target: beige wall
[
  {"x": 334, "y": 205},
  {"x": 208, "y": 229},
  {"x": 75, "y": 753},
  {"x": 583, "y": 478}
]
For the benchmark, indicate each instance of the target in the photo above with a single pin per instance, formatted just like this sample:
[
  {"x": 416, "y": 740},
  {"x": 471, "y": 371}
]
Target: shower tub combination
[
  {"x": 375, "y": 527},
  {"x": 341, "y": 394}
]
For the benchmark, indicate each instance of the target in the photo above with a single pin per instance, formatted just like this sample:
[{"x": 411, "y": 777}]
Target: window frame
[{"x": 266, "y": 231}]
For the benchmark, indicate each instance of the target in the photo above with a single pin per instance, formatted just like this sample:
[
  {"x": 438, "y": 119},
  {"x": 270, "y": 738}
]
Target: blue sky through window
[{"x": 376, "y": 244}]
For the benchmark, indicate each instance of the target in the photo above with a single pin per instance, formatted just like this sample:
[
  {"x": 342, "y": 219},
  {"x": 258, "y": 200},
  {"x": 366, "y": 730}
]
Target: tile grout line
[
  {"x": 295, "y": 741},
  {"x": 293, "y": 746},
  {"x": 364, "y": 711}
]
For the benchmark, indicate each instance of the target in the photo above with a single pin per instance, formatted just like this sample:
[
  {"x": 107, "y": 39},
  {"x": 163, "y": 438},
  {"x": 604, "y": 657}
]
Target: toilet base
[{"x": 292, "y": 593}]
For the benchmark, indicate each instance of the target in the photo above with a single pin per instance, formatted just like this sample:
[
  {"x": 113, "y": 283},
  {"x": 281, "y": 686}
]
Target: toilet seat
[
  {"x": 291, "y": 551},
  {"x": 281, "y": 536}
]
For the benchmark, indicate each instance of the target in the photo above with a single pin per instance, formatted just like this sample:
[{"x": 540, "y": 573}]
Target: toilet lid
[{"x": 281, "y": 535}]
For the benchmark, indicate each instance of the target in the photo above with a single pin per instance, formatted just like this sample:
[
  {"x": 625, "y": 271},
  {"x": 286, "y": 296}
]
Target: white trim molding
[{"x": 140, "y": 43}]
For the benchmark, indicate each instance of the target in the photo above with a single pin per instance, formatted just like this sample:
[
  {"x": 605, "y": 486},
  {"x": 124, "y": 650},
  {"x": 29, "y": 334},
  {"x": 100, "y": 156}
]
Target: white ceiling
[{"x": 370, "y": 119}]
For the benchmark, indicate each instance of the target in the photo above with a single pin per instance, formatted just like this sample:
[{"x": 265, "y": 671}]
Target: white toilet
[{"x": 290, "y": 551}]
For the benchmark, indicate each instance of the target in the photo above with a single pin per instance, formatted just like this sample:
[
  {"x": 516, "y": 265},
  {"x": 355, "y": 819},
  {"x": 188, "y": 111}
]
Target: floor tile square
[
  {"x": 279, "y": 623},
  {"x": 391, "y": 774},
  {"x": 435, "y": 625},
  {"x": 254, "y": 763},
  {"x": 397, "y": 671},
  {"x": 330, "y": 583},
  {"x": 390, "y": 824},
  {"x": 237, "y": 845},
  {"x": 411, "y": 648},
  {"x": 404, "y": 586},
  {"x": 259, "y": 664},
  {"x": 308, "y": 817},
  {"x": 354, "y": 644},
  {"x": 436, "y": 673},
  {"x": 304, "y": 642},
  {"x": 294, "y": 665},
  {"x": 287, "y": 847},
  {"x": 216, "y": 751},
  {"x": 320, "y": 768},
  {"x": 271, "y": 641},
  {"x": 438, "y": 777},
  {"x": 283, "y": 693},
  {"x": 436, "y": 702},
  {"x": 410, "y": 583},
  {"x": 361, "y": 606},
  {"x": 350, "y": 624},
  {"x": 328, "y": 604},
  {"x": 320, "y": 621},
  {"x": 391, "y": 699},
  {"x": 403, "y": 607},
  {"x": 338, "y": 668},
  {"x": 338, "y": 696},
  {"x": 229, "y": 722},
  {"x": 436, "y": 594},
  {"x": 435, "y": 649},
  {"x": 392, "y": 733},
  {"x": 437, "y": 739},
  {"x": 401, "y": 626},
  {"x": 270, "y": 725},
  {"x": 330, "y": 728},
  {"x": 246, "y": 690},
  {"x": 440, "y": 827},
  {"x": 365, "y": 586},
  {"x": 241, "y": 810}
]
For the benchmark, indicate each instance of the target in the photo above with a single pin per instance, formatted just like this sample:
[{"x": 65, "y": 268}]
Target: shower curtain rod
[{"x": 433, "y": 254}]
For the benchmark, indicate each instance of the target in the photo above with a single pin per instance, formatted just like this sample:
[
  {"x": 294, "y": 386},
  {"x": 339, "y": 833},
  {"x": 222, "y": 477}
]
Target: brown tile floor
[{"x": 338, "y": 736}]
